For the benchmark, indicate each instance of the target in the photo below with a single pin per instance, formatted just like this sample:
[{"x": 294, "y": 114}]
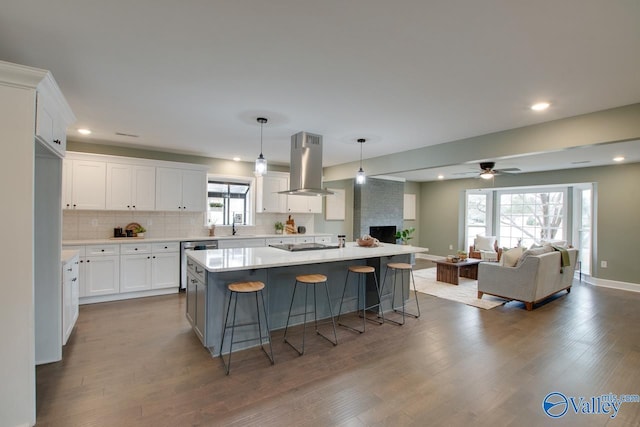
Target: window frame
[{"x": 249, "y": 198}]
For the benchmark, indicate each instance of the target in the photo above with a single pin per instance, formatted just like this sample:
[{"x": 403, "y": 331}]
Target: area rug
[{"x": 466, "y": 292}]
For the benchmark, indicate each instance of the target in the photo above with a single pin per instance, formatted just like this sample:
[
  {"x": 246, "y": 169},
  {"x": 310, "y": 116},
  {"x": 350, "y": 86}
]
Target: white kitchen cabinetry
[
  {"x": 323, "y": 239},
  {"x": 135, "y": 267},
  {"x": 70, "y": 295},
  {"x": 180, "y": 190},
  {"x": 241, "y": 243},
  {"x": 267, "y": 197},
  {"x": 304, "y": 204},
  {"x": 101, "y": 270},
  {"x": 130, "y": 187},
  {"x": 165, "y": 265},
  {"x": 84, "y": 184},
  {"x": 305, "y": 239},
  {"x": 280, "y": 240},
  {"x": 51, "y": 126}
]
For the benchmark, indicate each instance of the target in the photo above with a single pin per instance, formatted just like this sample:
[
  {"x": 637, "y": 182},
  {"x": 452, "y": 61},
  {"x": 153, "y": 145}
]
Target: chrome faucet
[{"x": 233, "y": 225}]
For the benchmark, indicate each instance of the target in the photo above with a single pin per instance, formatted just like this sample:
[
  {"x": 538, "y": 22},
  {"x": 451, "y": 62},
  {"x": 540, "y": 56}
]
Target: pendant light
[
  {"x": 360, "y": 176},
  {"x": 261, "y": 162}
]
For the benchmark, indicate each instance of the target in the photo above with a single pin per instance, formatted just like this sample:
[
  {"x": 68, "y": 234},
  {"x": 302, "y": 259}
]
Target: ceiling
[{"x": 192, "y": 77}]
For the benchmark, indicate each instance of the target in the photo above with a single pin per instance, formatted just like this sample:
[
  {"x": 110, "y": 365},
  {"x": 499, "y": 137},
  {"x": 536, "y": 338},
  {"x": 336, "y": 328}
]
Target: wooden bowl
[{"x": 366, "y": 243}]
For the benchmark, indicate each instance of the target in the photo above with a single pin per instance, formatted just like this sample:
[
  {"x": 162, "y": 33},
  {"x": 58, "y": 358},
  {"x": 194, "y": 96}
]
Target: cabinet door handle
[
  {"x": 88, "y": 260},
  {"x": 128, "y": 207},
  {"x": 69, "y": 269},
  {"x": 165, "y": 247},
  {"x": 74, "y": 205},
  {"x": 154, "y": 257},
  {"x": 149, "y": 257},
  {"x": 101, "y": 250},
  {"x": 74, "y": 279},
  {"x": 135, "y": 249},
  {"x": 57, "y": 141},
  {"x": 134, "y": 206}
]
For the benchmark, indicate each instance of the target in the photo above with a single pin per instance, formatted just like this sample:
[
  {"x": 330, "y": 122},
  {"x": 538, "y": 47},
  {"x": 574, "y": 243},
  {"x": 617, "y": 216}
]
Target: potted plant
[
  {"x": 215, "y": 205},
  {"x": 462, "y": 254},
  {"x": 279, "y": 227},
  {"x": 405, "y": 235},
  {"x": 140, "y": 230}
]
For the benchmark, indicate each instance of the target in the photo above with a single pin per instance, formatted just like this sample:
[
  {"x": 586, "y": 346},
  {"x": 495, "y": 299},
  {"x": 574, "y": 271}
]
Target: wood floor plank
[{"x": 137, "y": 363}]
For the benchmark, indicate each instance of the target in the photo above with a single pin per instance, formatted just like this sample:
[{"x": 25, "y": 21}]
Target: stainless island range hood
[{"x": 306, "y": 166}]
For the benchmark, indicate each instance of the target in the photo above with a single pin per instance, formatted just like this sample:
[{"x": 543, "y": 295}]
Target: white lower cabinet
[
  {"x": 70, "y": 296},
  {"x": 101, "y": 275},
  {"x": 135, "y": 272},
  {"x": 165, "y": 270},
  {"x": 116, "y": 271}
]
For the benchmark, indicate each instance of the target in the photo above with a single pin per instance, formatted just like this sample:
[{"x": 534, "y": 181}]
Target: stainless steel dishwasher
[{"x": 192, "y": 245}]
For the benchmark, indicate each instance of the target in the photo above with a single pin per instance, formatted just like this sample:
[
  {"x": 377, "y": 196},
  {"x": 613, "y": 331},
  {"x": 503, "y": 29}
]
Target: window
[
  {"x": 478, "y": 218},
  {"x": 583, "y": 215},
  {"x": 530, "y": 217},
  {"x": 228, "y": 202}
]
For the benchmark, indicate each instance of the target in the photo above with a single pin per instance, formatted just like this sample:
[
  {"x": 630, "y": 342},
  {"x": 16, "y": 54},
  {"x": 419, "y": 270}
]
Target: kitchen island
[{"x": 209, "y": 272}]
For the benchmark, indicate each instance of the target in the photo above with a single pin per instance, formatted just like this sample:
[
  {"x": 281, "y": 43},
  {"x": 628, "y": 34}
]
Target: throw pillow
[
  {"x": 553, "y": 242},
  {"x": 533, "y": 252},
  {"x": 510, "y": 258},
  {"x": 485, "y": 243}
]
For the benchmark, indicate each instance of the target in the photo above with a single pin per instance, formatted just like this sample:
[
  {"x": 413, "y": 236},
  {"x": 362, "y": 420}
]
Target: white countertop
[
  {"x": 67, "y": 254},
  {"x": 220, "y": 260},
  {"x": 182, "y": 239}
]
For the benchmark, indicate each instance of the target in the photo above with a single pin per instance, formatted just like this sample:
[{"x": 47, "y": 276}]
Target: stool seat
[
  {"x": 311, "y": 278},
  {"x": 244, "y": 287},
  {"x": 400, "y": 266},
  {"x": 361, "y": 269}
]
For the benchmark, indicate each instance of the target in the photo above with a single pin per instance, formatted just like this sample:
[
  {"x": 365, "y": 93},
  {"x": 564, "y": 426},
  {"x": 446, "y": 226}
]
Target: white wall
[{"x": 17, "y": 360}]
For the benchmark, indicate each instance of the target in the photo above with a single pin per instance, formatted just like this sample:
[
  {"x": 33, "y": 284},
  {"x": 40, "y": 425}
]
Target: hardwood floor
[{"x": 137, "y": 363}]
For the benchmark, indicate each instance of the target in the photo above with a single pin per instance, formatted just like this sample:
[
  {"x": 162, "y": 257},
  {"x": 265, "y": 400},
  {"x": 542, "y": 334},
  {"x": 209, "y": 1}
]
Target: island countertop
[{"x": 236, "y": 259}]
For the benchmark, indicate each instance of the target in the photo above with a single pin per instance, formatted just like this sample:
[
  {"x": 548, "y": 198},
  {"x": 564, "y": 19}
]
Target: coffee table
[{"x": 450, "y": 271}]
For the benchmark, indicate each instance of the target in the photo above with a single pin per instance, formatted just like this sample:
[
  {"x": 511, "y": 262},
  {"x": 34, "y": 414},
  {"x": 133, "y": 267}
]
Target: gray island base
[{"x": 209, "y": 272}]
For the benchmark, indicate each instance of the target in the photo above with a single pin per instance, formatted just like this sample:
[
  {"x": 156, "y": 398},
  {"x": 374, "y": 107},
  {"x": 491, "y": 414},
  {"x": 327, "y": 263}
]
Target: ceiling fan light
[{"x": 486, "y": 175}]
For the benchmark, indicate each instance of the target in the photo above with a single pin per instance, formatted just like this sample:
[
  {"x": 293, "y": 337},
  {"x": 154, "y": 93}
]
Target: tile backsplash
[{"x": 80, "y": 225}]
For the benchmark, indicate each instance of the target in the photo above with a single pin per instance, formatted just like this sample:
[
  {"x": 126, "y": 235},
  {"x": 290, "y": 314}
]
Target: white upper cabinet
[
  {"x": 267, "y": 197},
  {"x": 304, "y": 204},
  {"x": 180, "y": 190},
  {"x": 84, "y": 184},
  {"x": 53, "y": 115},
  {"x": 130, "y": 187}
]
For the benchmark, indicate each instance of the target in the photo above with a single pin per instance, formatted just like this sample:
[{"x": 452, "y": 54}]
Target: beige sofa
[{"x": 533, "y": 279}]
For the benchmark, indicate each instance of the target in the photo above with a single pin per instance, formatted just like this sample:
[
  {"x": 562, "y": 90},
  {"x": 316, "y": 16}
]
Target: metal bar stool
[
  {"x": 362, "y": 271},
  {"x": 245, "y": 288},
  {"x": 310, "y": 279},
  {"x": 401, "y": 267}
]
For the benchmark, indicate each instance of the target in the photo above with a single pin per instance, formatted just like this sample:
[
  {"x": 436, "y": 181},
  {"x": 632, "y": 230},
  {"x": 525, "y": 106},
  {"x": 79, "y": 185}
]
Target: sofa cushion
[
  {"x": 511, "y": 256},
  {"x": 553, "y": 242},
  {"x": 485, "y": 243},
  {"x": 534, "y": 252}
]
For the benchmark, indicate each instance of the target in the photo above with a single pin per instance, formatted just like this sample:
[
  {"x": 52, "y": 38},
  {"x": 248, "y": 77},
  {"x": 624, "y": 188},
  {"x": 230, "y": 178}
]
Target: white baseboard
[
  {"x": 430, "y": 257},
  {"x": 613, "y": 284}
]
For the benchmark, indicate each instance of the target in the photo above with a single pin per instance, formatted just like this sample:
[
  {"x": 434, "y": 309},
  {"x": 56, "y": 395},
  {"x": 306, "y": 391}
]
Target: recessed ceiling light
[
  {"x": 540, "y": 106},
  {"x": 84, "y": 131},
  {"x": 236, "y": 159},
  {"x": 440, "y": 176},
  {"x": 618, "y": 158}
]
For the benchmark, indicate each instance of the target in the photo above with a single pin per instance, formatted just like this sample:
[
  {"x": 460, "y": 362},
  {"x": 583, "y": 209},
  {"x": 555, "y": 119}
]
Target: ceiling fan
[{"x": 487, "y": 170}]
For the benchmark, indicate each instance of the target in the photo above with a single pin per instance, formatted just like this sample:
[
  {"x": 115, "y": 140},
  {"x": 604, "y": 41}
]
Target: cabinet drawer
[
  {"x": 102, "y": 250},
  {"x": 322, "y": 239},
  {"x": 165, "y": 247},
  {"x": 196, "y": 269},
  {"x": 307, "y": 239},
  {"x": 280, "y": 240},
  {"x": 135, "y": 249}
]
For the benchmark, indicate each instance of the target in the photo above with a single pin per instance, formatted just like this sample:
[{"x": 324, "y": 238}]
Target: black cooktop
[{"x": 296, "y": 247}]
